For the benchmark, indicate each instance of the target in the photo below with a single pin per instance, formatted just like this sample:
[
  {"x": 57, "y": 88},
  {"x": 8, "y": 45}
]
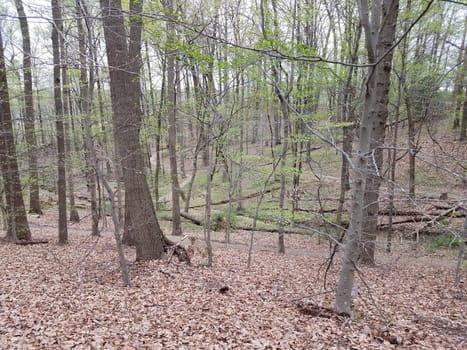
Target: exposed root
[{"x": 177, "y": 249}]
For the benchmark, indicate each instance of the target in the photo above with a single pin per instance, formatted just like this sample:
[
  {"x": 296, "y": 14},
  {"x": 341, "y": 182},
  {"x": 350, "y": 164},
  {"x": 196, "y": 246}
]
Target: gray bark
[
  {"x": 61, "y": 182},
  {"x": 372, "y": 126},
  {"x": 18, "y": 227},
  {"x": 124, "y": 65},
  {"x": 34, "y": 202},
  {"x": 172, "y": 132}
]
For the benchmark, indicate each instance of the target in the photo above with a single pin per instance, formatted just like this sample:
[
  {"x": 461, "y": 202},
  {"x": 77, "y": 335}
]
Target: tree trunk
[
  {"x": 124, "y": 65},
  {"x": 3, "y": 212},
  {"x": 378, "y": 107},
  {"x": 61, "y": 183},
  {"x": 81, "y": 12},
  {"x": 92, "y": 160},
  {"x": 18, "y": 227},
  {"x": 66, "y": 107},
  {"x": 172, "y": 132},
  {"x": 459, "y": 81},
  {"x": 412, "y": 145},
  {"x": 74, "y": 215},
  {"x": 34, "y": 202},
  {"x": 352, "y": 35},
  {"x": 461, "y": 253},
  {"x": 463, "y": 136},
  {"x": 361, "y": 234},
  {"x": 158, "y": 136},
  {"x": 239, "y": 207},
  {"x": 207, "y": 209}
]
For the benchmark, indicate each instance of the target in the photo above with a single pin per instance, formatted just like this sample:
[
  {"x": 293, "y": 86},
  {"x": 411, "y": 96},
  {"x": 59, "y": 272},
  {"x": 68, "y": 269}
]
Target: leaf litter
[{"x": 71, "y": 297}]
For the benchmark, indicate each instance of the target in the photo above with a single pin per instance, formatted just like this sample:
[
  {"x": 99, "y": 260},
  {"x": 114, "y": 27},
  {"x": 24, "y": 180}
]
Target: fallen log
[
  {"x": 429, "y": 218},
  {"x": 225, "y": 201},
  {"x": 192, "y": 219},
  {"x": 242, "y": 228},
  {"x": 37, "y": 241},
  {"x": 317, "y": 211},
  {"x": 272, "y": 230}
]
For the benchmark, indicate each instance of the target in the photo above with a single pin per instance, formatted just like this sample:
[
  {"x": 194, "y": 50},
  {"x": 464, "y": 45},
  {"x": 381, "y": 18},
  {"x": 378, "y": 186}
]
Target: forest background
[{"x": 274, "y": 124}]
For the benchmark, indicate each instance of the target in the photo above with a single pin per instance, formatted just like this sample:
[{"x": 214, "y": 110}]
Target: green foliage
[
  {"x": 275, "y": 216},
  {"x": 340, "y": 124},
  {"x": 220, "y": 220},
  {"x": 332, "y": 218},
  {"x": 442, "y": 241}
]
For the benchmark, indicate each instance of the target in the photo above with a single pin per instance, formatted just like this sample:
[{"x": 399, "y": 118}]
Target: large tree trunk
[
  {"x": 378, "y": 108},
  {"x": 61, "y": 183},
  {"x": 124, "y": 65},
  {"x": 18, "y": 227},
  {"x": 361, "y": 234},
  {"x": 34, "y": 202}
]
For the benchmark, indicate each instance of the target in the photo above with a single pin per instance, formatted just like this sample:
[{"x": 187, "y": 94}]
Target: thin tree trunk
[
  {"x": 81, "y": 12},
  {"x": 180, "y": 125},
  {"x": 412, "y": 144},
  {"x": 283, "y": 183},
  {"x": 158, "y": 140},
  {"x": 3, "y": 211},
  {"x": 461, "y": 253},
  {"x": 93, "y": 160},
  {"x": 34, "y": 202},
  {"x": 348, "y": 115},
  {"x": 74, "y": 215},
  {"x": 459, "y": 80},
  {"x": 240, "y": 148},
  {"x": 393, "y": 153},
  {"x": 463, "y": 136},
  {"x": 172, "y": 132},
  {"x": 61, "y": 184},
  {"x": 193, "y": 175},
  {"x": 207, "y": 210},
  {"x": 39, "y": 114}
]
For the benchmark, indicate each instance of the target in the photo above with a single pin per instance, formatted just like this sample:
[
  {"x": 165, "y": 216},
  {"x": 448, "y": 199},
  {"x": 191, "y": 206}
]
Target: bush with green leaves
[{"x": 441, "y": 241}]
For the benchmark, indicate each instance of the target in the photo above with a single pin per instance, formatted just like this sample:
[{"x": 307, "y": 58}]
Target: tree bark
[
  {"x": 171, "y": 111},
  {"x": 459, "y": 81},
  {"x": 463, "y": 136},
  {"x": 378, "y": 108},
  {"x": 34, "y": 202},
  {"x": 461, "y": 252},
  {"x": 124, "y": 65},
  {"x": 61, "y": 183},
  {"x": 361, "y": 234},
  {"x": 81, "y": 12},
  {"x": 18, "y": 227},
  {"x": 74, "y": 215},
  {"x": 348, "y": 115}
]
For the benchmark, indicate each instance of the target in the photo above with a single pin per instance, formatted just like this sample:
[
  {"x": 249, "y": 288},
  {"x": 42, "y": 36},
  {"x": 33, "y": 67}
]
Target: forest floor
[{"x": 71, "y": 297}]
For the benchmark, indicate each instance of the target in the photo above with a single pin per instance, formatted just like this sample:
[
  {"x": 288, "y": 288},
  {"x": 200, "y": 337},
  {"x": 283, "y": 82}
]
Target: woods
[{"x": 335, "y": 126}]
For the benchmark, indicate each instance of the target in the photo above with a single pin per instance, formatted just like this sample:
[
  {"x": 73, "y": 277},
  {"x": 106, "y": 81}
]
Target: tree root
[{"x": 176, "y": 249}]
